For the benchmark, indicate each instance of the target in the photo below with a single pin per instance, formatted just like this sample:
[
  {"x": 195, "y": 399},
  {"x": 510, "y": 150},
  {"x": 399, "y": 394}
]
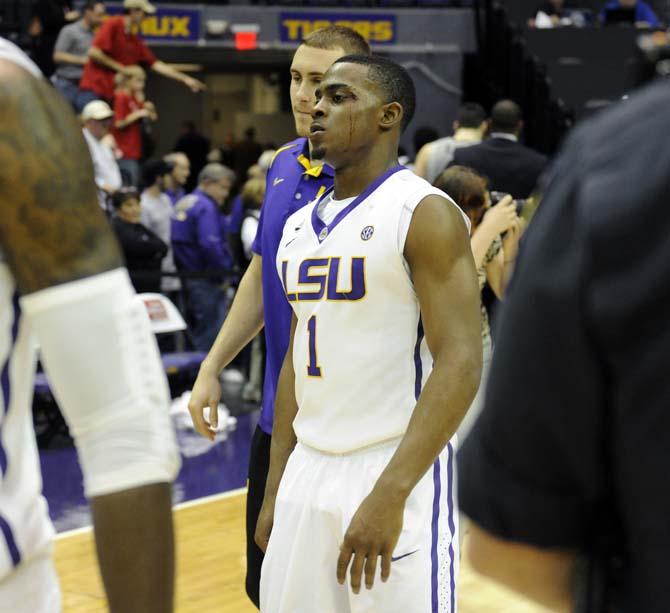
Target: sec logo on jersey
[{"x": 367, "y": 232}]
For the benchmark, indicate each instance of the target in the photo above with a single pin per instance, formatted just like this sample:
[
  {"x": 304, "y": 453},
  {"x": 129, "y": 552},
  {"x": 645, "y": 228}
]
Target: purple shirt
[
  {"x": 233, "y": 221},
  {"x": 175, "y": 195},
  {"x": 291, "y": 184},
  {"x": 197, "y": 234}
]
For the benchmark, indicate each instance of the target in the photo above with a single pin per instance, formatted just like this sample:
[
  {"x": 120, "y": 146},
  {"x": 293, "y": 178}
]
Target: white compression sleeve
[{"x": 105, "y": 371}]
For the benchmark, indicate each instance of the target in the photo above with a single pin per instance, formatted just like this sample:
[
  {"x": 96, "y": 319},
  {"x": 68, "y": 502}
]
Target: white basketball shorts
[
  {"x": 31, "y": 588},
  {"x": 318, "y": 495}
]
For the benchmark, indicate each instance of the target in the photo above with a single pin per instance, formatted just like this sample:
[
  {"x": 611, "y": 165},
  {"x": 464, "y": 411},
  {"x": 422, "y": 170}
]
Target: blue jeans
[
  {"x": 206, "y": 309},
  {"x": 76, "y": 97},
  {"x": 130, "y": 171}
]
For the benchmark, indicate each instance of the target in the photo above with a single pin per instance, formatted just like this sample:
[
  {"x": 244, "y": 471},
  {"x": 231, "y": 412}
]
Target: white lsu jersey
[
  {"x": 25, "y": 529},
  {"x": 359, "y": 352}
]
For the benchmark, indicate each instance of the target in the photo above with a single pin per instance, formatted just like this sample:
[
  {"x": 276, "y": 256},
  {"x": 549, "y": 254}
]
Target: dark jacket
[
  {"x": 510, "y": 166},
  {"x": 143, "y": 252}
]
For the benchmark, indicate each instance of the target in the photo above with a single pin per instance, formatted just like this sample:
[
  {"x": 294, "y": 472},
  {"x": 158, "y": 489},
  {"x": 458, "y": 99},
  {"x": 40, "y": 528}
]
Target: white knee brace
[{"x": 105, "y": 370}]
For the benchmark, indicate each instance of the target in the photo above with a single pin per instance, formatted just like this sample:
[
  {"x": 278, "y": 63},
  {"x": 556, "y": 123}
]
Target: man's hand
[
  {"x": 265, "y": 523},
  {"x": 206, "y": 393},
  {"x": 374, "y": 531},
  {"x": 194, "y": 85}
]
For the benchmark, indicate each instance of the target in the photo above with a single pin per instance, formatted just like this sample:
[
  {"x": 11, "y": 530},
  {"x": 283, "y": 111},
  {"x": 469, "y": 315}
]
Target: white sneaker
[
  {"x": 251, "y": 393},
  {"x": 231, "y": 375}
]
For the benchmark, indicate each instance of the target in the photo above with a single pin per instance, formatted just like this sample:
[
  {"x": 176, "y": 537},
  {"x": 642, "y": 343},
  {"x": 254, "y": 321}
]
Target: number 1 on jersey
[{"x": 313, "y": 368}]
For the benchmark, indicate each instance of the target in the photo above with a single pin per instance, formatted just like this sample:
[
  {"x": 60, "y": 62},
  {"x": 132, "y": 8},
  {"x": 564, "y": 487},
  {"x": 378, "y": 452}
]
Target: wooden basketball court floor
[{"x": 211, "y": 562}]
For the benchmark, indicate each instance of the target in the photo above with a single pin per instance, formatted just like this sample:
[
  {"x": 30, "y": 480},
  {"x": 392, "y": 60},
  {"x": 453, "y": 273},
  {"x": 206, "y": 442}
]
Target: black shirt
[
  {"x": 143, "y": 252},
  {"x": 577, "y": 409}
]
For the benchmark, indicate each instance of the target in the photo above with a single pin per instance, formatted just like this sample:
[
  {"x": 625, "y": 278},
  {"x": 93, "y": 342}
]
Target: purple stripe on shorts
[
  {"x": 437, "y": 485},
  {"x": 418, "y": 366},
  {"x": 6, "y": 397},
  {"x": 452, "y": 525},
  {"x": 11, "y": 543},
  {"x": 4, "y": 379}
]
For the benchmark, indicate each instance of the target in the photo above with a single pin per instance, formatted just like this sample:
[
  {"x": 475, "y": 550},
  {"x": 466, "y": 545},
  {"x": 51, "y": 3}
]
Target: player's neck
[{"x": 352, "y": 179}]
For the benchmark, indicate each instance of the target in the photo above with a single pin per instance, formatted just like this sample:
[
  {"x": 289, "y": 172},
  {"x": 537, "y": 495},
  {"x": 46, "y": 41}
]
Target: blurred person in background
[
  {"x": 117, "y": 45},
  {"x": 565, "y": 474},
  {"x": 509, "y": 166},
  {"x": 71, "y": 52},
  {"x": 246, "y": 153},
  {"x": 97, "y": 118},
  {"x": 421, "y": 137},
  {"x": 469, "y": 129},
  {"x": 494, "y": 255},
  {"x": 47, "y": 19},
  {"x": 143, "y": 251},
  {"x": 644, "y": 14},
  {"x": 130, "y": 108},
  {"x": 200, "y": 248},
  {"x": 176, "y": 179},
  {"x": 253, "y": 193},
  {"x": 156, "y": 214},
  {"x": 196, "y": 147},
  {"x": 553, "y": 10}
]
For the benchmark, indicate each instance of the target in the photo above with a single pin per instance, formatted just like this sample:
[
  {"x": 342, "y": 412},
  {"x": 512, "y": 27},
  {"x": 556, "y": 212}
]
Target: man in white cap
[
  {"x": 97, "y": 119},
  {"x": 117, "y": 45}
]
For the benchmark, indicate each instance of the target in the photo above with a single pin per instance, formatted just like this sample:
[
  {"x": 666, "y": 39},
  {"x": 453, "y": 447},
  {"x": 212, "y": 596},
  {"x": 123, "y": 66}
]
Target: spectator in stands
[
  {"x": 97, "y": 119},
  {"x": 421, "y": 137},
  {"x": 130, "y": 108},
  {"x": 71, "y": 52},
  {"x": 253, "y": 193},
  {"x": 644, "y": 14},
  {"x": 235, "y": 211},
  {"x": 246, "y": 153},
  {"x": 196, "y": 147},
  {"x": 176, "y": 179},
  {"x": 469, "y": 129},
  {"x": 116, "y": 46},
  {"x": 252, "y": 196},
  {"x": 157, "y": 216},
  {"x": 494, "y": 256},
  {"x": 143, "y": 251},
  {"x": 200, "y": 248},
  {"x": 509, "y": 166},
  {"x": 47, "y": 19},
  {"x": 554, "y": 10}
]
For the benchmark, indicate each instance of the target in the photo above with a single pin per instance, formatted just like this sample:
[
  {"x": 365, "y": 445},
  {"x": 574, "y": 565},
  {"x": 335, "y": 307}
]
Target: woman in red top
[{"x": 130, "y": 110}]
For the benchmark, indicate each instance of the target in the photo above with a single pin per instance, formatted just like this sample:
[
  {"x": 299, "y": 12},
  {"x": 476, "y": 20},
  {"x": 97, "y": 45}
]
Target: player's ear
[{"x": 392, "y": 114}]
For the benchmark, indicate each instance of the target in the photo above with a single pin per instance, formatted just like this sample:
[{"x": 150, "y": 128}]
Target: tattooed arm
[{"x": 52, "y": 231}]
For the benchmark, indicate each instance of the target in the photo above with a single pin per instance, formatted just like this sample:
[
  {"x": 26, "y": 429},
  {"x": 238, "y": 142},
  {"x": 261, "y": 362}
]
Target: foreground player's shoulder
[{"x": 51, "y": 227}]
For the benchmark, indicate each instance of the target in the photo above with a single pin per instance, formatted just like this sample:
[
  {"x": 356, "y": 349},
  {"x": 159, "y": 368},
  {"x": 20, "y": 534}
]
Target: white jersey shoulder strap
[{"x": 10, "y": 52}]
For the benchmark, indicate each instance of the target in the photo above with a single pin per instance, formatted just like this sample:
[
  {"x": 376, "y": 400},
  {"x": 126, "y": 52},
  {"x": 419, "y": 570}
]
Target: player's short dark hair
[
  {"x": 89, "y": 5},
  {"x": 391, "y": 78},
  {"x": 338, "y": 37},
  {"x": 505, "y": 116},
  {"x": 464, "y": 185},
  {"x": 471, "y": 115}
]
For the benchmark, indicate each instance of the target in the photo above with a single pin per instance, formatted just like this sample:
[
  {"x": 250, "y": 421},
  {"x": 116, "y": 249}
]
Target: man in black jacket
[{"x": 510, "y": 166}]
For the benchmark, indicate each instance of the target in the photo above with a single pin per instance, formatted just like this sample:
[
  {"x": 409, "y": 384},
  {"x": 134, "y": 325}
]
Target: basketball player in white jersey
[
  {"x": 62, "y": 285},
  {"x": 385, "y": 357}
]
